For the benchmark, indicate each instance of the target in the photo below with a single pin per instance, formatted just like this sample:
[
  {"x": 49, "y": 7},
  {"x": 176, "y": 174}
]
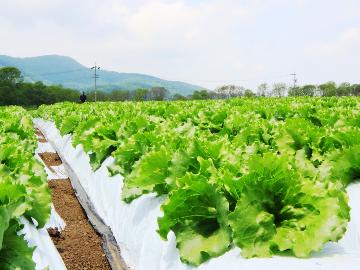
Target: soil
[
  {"x": 50, "y": 159},
  {"x": 78, "y": 244},
  {"x": 40, "y": 136}
]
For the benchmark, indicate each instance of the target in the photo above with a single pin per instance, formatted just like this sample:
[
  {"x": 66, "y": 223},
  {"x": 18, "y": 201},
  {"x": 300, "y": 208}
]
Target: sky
[{"x": 205, "y": 42}]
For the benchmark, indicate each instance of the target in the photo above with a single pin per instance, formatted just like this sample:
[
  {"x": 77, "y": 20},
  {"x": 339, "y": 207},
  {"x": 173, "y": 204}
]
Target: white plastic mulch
[
  {"x": 134, "y": 225},
  {"x": 55, "y": 221},
  {"x": 45, "y": 255}
]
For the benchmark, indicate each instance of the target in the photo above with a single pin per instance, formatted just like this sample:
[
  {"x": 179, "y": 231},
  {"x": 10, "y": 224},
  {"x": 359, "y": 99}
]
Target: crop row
[{"x": 23, "y": 187}]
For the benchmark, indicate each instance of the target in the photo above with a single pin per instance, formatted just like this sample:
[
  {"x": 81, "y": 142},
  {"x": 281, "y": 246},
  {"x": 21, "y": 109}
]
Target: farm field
[
  {"x": 180, "y": 135},
  {"x": 263, "y": 175}
]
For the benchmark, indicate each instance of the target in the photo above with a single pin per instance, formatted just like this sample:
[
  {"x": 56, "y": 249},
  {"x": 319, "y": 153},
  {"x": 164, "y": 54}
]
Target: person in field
[{"x": 83, "y": 97}]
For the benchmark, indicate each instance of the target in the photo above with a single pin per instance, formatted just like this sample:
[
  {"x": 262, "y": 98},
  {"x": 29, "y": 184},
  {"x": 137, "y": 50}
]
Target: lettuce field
[{"x": 266, "y": 175}]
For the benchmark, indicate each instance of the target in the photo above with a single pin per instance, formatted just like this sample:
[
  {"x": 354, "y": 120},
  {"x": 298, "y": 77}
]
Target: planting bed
[{"x": 78, "y": 243}]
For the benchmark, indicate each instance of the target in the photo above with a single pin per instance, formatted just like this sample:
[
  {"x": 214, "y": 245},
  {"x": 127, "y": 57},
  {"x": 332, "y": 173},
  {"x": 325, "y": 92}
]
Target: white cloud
[
  {"x": 348, "y": 38},
  {"x": 208, "y": 42}
]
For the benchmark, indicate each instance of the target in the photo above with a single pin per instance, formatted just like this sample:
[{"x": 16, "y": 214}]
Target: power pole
[
  {"x": 295, "y": 80},
  {"x": 96, "y": 76}
]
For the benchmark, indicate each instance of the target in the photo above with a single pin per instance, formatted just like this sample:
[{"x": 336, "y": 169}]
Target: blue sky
[{"x": 209, "y": 42}]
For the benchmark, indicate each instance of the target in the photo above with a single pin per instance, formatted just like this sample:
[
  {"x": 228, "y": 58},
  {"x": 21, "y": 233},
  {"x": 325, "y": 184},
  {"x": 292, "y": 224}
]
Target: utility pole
[
  {"x": 96, "y": 76},
  {"x": 295, "y": 80}
]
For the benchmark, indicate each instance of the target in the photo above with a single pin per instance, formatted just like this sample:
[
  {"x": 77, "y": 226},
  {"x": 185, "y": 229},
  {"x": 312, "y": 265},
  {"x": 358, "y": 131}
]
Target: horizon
[{"x": 183, "y": 41}]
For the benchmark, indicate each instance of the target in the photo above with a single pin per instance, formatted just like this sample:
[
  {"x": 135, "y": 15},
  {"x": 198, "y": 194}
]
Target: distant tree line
[
  {"x": 14, "y": 91},
  {"x": 328, "y": 89}
]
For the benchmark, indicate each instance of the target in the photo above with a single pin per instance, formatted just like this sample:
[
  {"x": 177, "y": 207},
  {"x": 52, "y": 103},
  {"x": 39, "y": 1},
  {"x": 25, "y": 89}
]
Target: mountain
[{"x": 56, "y": 69}]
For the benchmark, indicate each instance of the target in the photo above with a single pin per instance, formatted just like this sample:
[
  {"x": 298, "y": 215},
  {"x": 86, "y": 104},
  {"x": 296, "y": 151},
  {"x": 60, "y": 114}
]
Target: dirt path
[
  {"x": 50, "y": 159},
  {"x": 78, "y": 244}
]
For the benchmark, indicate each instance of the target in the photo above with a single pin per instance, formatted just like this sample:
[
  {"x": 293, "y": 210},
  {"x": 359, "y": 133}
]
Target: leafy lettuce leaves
[
  {"x": 23, "y": 188},
  {"x": 197, "y": 214},
  {"x": 279, "y": 211}
]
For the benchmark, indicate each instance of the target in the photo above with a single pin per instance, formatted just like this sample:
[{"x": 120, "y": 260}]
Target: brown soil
[
  {"x": 41, "y": 137},
  {"x": 38, "y": 132},
  {"x": 78, "y": 244},
  {"x": 50, "y": 159}
]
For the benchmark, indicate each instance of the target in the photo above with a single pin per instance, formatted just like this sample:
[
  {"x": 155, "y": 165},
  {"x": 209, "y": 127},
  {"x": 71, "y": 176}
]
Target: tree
[
  {"x": 328, "y": 89},
  {"x": 295, "y": 91},
  {"x": 140, "y": 94},
  {"x": 262, "y": 89},
  {"x": 306, "y": 90},
  {"x": 100, "y": 96},
  {"x": 355, "y": 89},
  {"x": 249, "y": 93},
  {"x": 178, "y": 97},
  {"x": 202, "y": 94},
  {"x": 157, "y": 93},
  {"x": 279, "y": 89},
  {"x": 39, "y": 85},
  {"x": 10, "y": 75},
  {"x": 120, "y": 95},
  {"x": 228, "y": 91},
  {"x": 213, "y": 95},
  {"x": 344, "y": 89}
]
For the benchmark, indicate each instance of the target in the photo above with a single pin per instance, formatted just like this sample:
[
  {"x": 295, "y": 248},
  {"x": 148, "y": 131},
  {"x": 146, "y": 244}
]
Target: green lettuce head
[{"x": 278, "y": 211}]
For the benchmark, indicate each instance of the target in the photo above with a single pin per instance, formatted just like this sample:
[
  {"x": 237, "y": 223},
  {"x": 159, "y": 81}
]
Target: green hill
[{"x": 55, "y": 69}]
